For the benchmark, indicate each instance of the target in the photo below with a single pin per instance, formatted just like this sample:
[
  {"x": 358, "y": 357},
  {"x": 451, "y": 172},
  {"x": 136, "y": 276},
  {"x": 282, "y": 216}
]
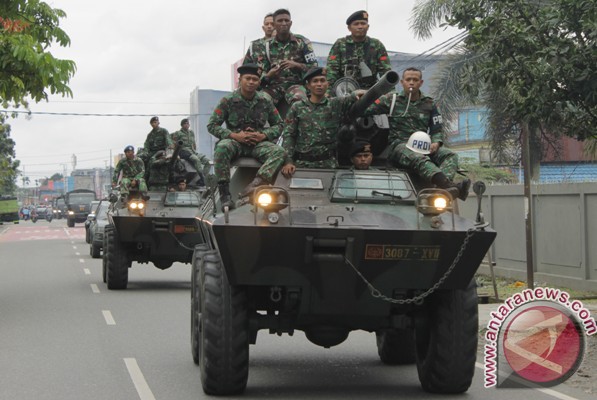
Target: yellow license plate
[{"x": 400, "y": 252}]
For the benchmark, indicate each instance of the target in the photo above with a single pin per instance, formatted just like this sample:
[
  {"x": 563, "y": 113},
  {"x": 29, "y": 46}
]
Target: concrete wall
[{"x": 564, "y": 232}]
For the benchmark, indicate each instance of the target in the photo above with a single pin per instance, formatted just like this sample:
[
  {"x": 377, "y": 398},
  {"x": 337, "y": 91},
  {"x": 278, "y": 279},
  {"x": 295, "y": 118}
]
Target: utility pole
[{"x": 528, "y": 199}]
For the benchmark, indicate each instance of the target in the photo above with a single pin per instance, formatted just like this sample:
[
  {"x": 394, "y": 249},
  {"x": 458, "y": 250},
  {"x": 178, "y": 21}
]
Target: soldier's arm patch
[
  {"x": 332, "y": 58},
  {"x": 377, "y": 101},
  {"x": 218, "y": 111},
  {"x": 383, "y": 58}
]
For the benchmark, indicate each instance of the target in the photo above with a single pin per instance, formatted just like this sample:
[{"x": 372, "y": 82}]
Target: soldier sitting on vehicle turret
[
  {"x": 357, "y": 56},
  {"x": 133, "y": 171},
  {"x": 189, "y": 150}
]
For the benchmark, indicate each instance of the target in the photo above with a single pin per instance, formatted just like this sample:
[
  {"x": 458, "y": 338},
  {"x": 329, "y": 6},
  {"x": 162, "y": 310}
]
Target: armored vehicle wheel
[
  {"x": 94, "y": 251},
  {"x": 104, "y": 257},
  {"x": 446, "y": 340},
  {"x": 117, "y": 264},
  {"x": 224, "y": 333},
  {"x": 396, "y": 347},
  {"x": 198, "y": 255},
  {"x": 70, "y": 223}
]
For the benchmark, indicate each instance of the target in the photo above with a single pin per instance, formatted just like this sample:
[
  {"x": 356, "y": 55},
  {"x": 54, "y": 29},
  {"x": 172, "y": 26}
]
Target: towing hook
[{"x": 275, "y": 294}]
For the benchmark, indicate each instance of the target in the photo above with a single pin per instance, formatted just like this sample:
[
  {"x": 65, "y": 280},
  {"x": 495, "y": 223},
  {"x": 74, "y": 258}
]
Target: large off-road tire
[
  {"x": 198, "y": 255},
  {"x": 396, "y": 347},
  {"x": 117, "y": 263},
  {"x": 70, "y": 222},
  {"x": 223, "y": 333},
  {"x": 104, "y": 256},
  {"x": 446, "y": 340},
  {"x": 94, "y": 250}
]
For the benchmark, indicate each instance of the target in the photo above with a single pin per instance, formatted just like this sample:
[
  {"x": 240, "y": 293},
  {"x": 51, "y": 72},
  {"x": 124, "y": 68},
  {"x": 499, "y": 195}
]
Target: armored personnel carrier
[
  {"x": 328, "y": 252},
  {"x": 158, "y": 227}
]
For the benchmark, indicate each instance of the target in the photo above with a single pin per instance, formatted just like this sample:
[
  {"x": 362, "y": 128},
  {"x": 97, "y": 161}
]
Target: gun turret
[{"x": 386, "y": 83}]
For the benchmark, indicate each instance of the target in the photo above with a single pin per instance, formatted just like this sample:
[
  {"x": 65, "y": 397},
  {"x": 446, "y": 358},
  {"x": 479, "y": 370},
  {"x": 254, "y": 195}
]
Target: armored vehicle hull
[
  {"x": 332, "y": 251},
  {"x": 165, "y": 230}
]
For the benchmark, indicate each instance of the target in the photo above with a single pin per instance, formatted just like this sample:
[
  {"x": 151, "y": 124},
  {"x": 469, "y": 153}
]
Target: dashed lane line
[
  {"x": 94, "y": 288},
  {"x": 139, "y": 381},
  {"x": 108, "y": 317},
  {"x": 87, "y": 271},
  {"x": 81, "y": 260}
]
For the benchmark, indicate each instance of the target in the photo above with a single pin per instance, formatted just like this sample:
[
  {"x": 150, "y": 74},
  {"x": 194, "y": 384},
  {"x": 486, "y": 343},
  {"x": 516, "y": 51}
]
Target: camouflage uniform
[
  {"x": 188, "y": 151},
  {"x": 268, "y": 53},
  {"x": 131, "y": 169},
  {"x": 310, "y": 133},
  {"x": 346, "y": 55},
  {"x": 240, "y": 114},
  {"x": 157, "y": 139},
  {"x": 422, "y": 115}
]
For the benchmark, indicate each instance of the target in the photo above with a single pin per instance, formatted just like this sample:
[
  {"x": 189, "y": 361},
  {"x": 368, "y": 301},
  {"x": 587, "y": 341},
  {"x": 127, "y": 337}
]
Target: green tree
[
  {"x": 531, "y": 63},
  {"x": 28, "y": 71},
  {"x": 8, "y": 165}
]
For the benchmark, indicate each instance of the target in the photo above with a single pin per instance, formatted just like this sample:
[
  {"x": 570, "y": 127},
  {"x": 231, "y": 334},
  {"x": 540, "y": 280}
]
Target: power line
[{"x": 97, "y": 114}]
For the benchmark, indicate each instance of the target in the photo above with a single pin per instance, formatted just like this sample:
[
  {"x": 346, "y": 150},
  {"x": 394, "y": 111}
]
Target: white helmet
[{"x": 419, "y": 142}]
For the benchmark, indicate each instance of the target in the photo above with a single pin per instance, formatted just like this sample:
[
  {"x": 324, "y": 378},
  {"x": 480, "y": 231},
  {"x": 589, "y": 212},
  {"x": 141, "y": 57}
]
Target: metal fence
[{"x": 564, "y": 232}]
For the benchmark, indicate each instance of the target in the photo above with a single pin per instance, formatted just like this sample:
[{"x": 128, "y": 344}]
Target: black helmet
[{"x": 129, "y": 148}]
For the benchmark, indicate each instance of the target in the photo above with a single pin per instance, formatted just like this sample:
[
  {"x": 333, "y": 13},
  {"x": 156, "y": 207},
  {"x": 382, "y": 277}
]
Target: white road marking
[
  {"x": 77, "y": 253},
  {"x": 138, "y": 379},
  {"x": 549, "y": 392},
  {"x": 94, "y": 288},
  {"x": 108, "y": 317},
  {"x": 87, "y": 271},
  {"x": 75, "y": 247},
  {"x": 81, "y": 260}
]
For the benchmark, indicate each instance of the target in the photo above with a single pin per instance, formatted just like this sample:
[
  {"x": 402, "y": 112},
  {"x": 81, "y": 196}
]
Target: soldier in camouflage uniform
[
  {"x": 157, "y": 139},
  {"x": 133, "y": 172},
  {"x": 283, "y": 61},
  {"x": 246, "y": 112},
  {"x": 310, "y": 135},
  {"x": 189, "y": 148},
  {"x": 357, "y": 56},
  {"x": 268, "y": 31},
  {"x": 412, "y": 111}
]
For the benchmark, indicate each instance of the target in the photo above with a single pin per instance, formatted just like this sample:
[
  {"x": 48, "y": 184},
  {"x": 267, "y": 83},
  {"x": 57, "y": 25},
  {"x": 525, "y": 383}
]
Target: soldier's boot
[
  {"x": 258, "y": 181},
  {"x": 225, "y": 197},
  {"x": 457, "y": 190}
]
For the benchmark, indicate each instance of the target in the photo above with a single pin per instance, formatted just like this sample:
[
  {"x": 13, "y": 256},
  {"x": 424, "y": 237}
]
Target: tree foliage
[
  {"x": 28, "y": 71},
  {"x": 542, "y": 53},
  {"x": 531, "y": 63},
  {"x": 8, "y": 165}
]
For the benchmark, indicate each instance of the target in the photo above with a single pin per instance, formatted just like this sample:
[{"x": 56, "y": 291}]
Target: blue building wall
[
  {"x": 471, "y": 127},
  {"x": 558, "y": 173}
]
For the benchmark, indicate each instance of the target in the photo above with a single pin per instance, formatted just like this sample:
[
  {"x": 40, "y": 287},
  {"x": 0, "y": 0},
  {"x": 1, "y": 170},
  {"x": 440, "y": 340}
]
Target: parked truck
[{"x": 9, "y": 209}]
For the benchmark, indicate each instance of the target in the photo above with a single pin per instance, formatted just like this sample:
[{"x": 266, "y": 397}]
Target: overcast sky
[{"x": 146, "y": 56}]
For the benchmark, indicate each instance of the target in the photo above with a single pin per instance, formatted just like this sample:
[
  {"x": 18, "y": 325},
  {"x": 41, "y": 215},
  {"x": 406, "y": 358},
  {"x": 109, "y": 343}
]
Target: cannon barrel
[{"x": 386, "y": 83}]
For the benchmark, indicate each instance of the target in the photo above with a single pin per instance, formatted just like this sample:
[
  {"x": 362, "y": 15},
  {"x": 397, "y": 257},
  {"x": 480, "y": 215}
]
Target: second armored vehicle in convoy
[
  {"x": 328, "y": 252},
  {"x": 159, "y": 227},
  {"x": 78, "y": 205}
]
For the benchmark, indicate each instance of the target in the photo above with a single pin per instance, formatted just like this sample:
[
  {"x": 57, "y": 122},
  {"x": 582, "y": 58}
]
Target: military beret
[
  {"x": 312, "y": 73},
  {"x": 153, "y": 119},
  {"x": 184, "y": 121},
  {"x": 181, "y": 179},
  {"x": 252, "y": 69},
  {"x": 361, "y": 15},
  {"x": 360, "y": 146},
  {"x": 129, "y": 148}
]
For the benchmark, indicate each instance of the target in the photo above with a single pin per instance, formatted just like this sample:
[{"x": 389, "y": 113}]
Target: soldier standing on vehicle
[
  {"x": 246, "y": 112},
  {"x": 268, "y": 31},
  {"x": 189, "y": 149},
  {"x": 310, "y": 135},
  {"x": 361, "y": 155},
  {"x": 357, "y": 55},
  {"x": 413, "y": 112},
  {"x": 283, "y": 59},
  {"x": 133, "y": 172}
]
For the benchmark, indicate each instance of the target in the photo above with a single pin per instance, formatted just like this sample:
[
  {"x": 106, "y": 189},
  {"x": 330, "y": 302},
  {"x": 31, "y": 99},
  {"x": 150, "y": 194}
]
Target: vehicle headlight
[
  {"x": 70, "y": 212},
  {"x": 137, "y": 207},
  {"x": 433, "y": 201},
  {"x": 272, "y": 199}
]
